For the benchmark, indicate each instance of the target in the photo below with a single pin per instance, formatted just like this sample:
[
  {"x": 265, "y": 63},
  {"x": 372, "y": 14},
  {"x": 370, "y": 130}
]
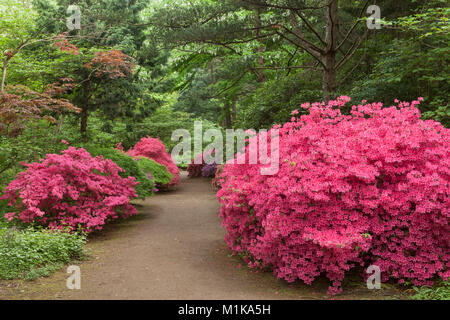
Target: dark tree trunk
[
  {"x": 227, "y": 111},
  {"x": 234, "y": 111},
  {"x": 5, "y": 65},
  {"x": 329, "y": 57},
  {"x": 60, "y": 123},
  {"x": 84, "y": 120},
  {"x": 85, "y": 108},
  {"x": 260, "y": 73},
  {"x": 213, "y": 75},
  {"x": 329, "y": 76}
]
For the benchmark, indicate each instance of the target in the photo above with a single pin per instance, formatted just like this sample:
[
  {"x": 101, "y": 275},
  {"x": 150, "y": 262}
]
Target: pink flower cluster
[
  {"x": 369, "y": 188},
  {"x": 154, "y": 149},
  {"x": 71, "y": 190}
]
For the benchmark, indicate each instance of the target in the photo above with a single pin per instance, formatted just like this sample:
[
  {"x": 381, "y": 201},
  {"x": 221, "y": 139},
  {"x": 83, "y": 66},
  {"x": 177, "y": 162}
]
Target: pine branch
[
  {"x": 350, "y": 53},
  {"x": 354, "y": 25}
]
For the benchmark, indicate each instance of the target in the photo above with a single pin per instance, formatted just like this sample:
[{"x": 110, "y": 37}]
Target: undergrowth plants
[
  {"x": 155, "y": 171},
  {"x": 368, "y": 188},
  {"x": 154, "y": 149},
  {"x": 31, "y": 253}
]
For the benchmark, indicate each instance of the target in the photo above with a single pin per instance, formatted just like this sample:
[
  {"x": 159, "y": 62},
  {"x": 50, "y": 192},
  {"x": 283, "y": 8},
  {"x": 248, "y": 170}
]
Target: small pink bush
[
  {"x": 370, "y": 188},
  {"x": 70, "y": 190},
  {"x": 154, "y": 149}
]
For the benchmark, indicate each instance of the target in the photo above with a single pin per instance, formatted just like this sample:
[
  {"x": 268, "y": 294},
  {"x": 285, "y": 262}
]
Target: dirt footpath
[{"x": 174, "y": 249}]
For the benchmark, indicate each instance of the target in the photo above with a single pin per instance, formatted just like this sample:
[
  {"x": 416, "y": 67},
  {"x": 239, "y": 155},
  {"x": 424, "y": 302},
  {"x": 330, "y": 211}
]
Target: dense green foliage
[
  {"x": 129, "y": 165},
  {"x": 240, "y": 61},
  {"x": 35, "y": 253},
  {"x": 161, "y": 176},
  {"x": 440, "y": 291}
]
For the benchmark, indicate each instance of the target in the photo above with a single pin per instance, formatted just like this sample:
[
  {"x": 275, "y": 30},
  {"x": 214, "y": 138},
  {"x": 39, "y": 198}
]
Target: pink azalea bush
[
  {"x": 71, "y": 190},
  {"x": 369, "y": 188},
  {"x": 154, "y": 149},
  {"x": 216, "y": 182}
]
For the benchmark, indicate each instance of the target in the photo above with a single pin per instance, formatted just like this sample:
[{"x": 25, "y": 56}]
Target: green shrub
[
  {"x": 145, "y": 187},
  {"x": 37, "y": 140},
  {"x": 159, "y": 172},
  {"x": 440, "y": 291},
  {"x": 33, "y": 253}
]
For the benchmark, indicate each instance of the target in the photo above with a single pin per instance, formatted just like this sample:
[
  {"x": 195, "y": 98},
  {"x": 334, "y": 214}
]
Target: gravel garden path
[{"x": 173, "y": 249}]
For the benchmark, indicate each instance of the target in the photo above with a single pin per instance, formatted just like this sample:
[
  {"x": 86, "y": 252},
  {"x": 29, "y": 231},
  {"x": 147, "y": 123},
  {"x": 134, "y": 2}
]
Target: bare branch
[
  {"x": 314, "y": 55},
  {"x": 310, "y": 27},
  {"x": 275, "y": 6},
  {"x": 354, "y": 25},
  {"x": 352, "y": 70},
  {"x": 230, "y": 86},
  {"x": 351, "y": 51},
  {"x": 299, "y": 34}
]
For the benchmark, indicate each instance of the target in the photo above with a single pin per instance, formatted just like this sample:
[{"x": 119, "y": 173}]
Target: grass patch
[{"x": 33, "y": 253}]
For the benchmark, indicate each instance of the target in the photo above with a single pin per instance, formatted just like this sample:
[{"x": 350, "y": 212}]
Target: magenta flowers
[
  {"x": 71, "y": 190},
  {"x": 369, "y": 188}
]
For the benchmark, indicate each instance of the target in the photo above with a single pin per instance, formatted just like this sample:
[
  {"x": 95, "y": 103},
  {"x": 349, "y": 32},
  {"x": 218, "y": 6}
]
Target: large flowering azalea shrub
[
  {"x": 369, "y": 188},
  {"x": 71, "y": 190},
  {"x": 195, "y": 168},
  {"x": 154, "y": 149}
]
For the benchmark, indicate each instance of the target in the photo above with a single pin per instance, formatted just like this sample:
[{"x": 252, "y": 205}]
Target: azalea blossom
[{"x": 353, "y": 190}]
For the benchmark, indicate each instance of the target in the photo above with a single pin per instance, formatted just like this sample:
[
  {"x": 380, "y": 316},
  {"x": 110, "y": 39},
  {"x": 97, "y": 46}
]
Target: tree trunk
[
  {"x": 84, "y": 119},
  {"x": 85, "y": 108},
  {"x": 5, "y": 65},
  {"x": 213, "y": 75},
  {"x": 234, "y": 111},
  {"x": 329, "y": 76},
  {"x": 228, "y": 123},
  {"x": 260, "y": 73},
  {"x": 329, "y": 57},
  {"x": 60, "y": 123}
]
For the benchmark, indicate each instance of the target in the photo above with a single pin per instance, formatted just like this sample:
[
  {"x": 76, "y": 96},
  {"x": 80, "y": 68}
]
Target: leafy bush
[
  {"x": 370, "y": 188},
  {"x": 440, "y": 291},
  {"x": 156, "y": 171},
  {"x": 71, "y": 190},
  {"x": 154, "y": 149},
  {"x": 130, "y": 166},
  {"x": 33, "y": 253},
  {"x": 37, "y": 140}
]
